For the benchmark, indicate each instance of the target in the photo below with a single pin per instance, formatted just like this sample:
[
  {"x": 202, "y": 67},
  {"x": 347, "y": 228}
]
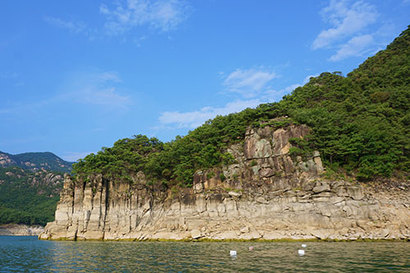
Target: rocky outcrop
[
  {"x": 20, "y": 230},
  {"x": 6, "y": 160},
  {"x": 265, "y": 193}
]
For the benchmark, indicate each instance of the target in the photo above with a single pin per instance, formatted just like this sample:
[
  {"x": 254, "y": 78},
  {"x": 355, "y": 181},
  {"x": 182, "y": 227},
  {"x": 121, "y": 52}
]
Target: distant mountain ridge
[
  {"x": 35, "y": 161},
  {"x": 30, "y": 184}
]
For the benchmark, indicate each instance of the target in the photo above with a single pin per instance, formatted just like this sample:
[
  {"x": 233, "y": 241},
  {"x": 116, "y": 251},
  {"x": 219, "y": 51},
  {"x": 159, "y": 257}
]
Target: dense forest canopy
[
  {"x": 29, "y": 187},
  {"x": 28, "y": 197},
  {"x": 360, "y": 123}
]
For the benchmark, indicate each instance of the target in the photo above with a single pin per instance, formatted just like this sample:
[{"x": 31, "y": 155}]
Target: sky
[{"x": 78, "y": 75}]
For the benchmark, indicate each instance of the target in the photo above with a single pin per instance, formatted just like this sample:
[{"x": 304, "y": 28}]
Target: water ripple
[{"x": 27, "y": 254}]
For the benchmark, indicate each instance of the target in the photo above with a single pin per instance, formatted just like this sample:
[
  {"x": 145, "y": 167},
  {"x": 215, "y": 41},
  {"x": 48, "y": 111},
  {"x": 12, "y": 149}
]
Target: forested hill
[
  {"x": 28, "y": 197},
  {"x": 35, "y": 161},
  {"x": 360, "y": 125},
  {"x": 360, "y": 122},
  {"x": 30, "y": 184}
]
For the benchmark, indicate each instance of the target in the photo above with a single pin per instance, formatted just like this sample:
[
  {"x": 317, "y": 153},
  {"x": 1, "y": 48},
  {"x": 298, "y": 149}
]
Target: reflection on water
[{"x": 19, "y": 254}]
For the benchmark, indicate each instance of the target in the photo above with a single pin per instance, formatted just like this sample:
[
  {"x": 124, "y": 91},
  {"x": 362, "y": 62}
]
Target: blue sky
[{"x": 78, "y": 75}]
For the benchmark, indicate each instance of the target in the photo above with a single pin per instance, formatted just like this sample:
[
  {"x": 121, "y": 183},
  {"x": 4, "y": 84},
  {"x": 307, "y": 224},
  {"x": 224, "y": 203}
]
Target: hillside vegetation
[
  {"x": 28, "y": 197},
  {"x": 30, "y": 184},
  {"x": 360, "y": 125}
]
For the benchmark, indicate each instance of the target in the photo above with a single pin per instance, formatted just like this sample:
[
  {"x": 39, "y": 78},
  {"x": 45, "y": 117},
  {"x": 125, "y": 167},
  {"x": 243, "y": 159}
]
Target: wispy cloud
[
  {"x": 74, "y": 27},
  {"x": 196, "y": 118},
  {"x": 123, "y": 16},
  {"x": 273, "y": 95},
  {"x": 346, "y": 18},
  {"x": 105, "y": 97},
  {"x": 97, "y": 89},
  {"x": 163, "y": 15},
  {"x": 93, "y": 89},
  {"x": 354, "y": 47},
  {"x": 253, "y": 87},
  {"x": 249, "y": 82}
]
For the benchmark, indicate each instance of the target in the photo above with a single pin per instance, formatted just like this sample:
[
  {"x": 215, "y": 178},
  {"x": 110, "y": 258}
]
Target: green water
[{"x": 27, "y": 254}]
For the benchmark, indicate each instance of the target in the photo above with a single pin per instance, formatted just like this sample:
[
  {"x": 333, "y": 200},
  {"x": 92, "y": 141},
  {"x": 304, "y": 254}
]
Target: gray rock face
[
  {"x": 20, "y": 230},
  {"x": 265, "y": 194}
]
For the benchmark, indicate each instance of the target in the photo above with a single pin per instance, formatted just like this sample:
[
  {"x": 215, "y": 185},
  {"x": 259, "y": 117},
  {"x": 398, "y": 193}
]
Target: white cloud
[
  {"x": 74, "y": 27},
  {"x": 307, "y": 78},
  {"x": 107, "y": 76},
  {"x": 98, "y": 89},
  {"x": 163, "y": 15},
  {"x": 249, "y": 83},
  {"x": 196, "y": 118},
  {"x": 354, "y": 47},
  {"x": 346, "y": 20},
  {"x": 273, "y": 95},
  {"x": 125, "y": 15},
  {"x": 253, "y": 87},
  {"x": 290, "y": 88},
  {"x": 104, "y": 97}
]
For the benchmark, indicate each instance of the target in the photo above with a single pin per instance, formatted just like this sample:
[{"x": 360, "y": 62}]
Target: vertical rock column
[
  {"x": 94, "y": 210},
  {"x": 63, "y": 226},
  {"x": 64, "y": 211}
]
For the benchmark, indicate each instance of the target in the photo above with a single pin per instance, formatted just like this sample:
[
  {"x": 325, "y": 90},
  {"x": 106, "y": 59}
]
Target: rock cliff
[{"x": 266, "y": 193}]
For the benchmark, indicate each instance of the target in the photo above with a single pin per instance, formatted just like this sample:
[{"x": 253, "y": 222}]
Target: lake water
[{"x": 27, "y": 254}]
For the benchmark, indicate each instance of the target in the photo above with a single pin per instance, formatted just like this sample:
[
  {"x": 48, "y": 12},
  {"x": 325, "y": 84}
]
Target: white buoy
[
  {"x": 301, "y": 252},
  {"x": 303, "y": 245},
  {"x": 232, "y": 253},
  {"x": 251, "y": 248}
]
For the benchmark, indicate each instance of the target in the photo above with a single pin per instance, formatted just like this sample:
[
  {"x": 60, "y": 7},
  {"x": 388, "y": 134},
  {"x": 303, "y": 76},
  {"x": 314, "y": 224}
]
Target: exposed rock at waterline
[
  {"x": 265, "y": 194},
  {"x": 20, "y": 230}
]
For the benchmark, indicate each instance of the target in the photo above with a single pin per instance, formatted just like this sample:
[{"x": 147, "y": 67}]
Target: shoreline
[
  {"x": 20, "y": 230},
  {"x": 205, "y": 240}
]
